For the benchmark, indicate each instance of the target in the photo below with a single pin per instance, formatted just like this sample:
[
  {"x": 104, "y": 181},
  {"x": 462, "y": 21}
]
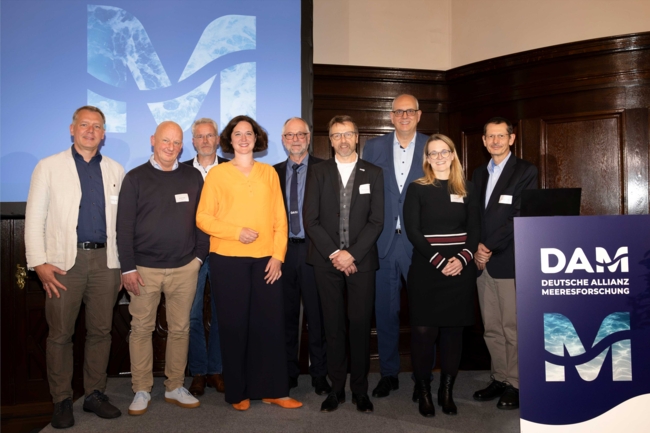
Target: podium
[{"x": 583, "y": 317}]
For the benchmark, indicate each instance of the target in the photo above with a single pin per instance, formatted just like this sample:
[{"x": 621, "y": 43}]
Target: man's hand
[
  {"x": 273, "y": 270},
  {"x": 480, "y": 266},
  {"x": 247, "y": 235},
  {"x": 482, "y": 255},
  {"x": 132, "y": 282},
  {"x": 51, "y": 285},
  {"x": 452, "y": 268},
  {"x": 350, "y": 270},
  {"x": 342, "y": 260}
]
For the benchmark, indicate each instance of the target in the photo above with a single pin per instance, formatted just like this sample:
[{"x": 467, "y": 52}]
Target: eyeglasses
[
  {"x": 300, "y": 135},
  {"x": 410, "y": 112},
  {"x": 497, "y": 136},
  {"x": 337, "y": 135},
  {"x": 201, "y": 136},
  {"x": 443, "y": 153}
]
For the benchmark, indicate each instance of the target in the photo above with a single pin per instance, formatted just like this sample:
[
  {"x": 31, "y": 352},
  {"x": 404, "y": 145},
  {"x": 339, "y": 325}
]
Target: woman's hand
[
  {"x": 273, "y": 271},
  {"x": 453, "y": 267},
  {"x": 247, "y": 235}
]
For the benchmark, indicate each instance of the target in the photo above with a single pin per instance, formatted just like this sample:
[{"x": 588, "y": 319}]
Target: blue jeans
[{"x": 202, "y": 359}]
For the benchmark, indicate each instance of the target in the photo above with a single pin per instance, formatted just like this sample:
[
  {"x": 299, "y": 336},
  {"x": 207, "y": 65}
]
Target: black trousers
[
  {"x": 251, "y": 325},
  {"x": 298, "y": 280},
  {"x": 361, "y": 299}
]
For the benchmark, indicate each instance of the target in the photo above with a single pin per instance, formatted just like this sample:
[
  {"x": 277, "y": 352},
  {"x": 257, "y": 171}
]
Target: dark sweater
[{"x": 156, "y": 218}]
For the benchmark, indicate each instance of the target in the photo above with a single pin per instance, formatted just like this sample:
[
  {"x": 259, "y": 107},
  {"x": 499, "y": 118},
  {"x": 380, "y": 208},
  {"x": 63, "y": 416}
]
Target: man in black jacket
[
  {"x": 500, "y": 183},
  {"x": 344, "y": 215},
  {"x": 297, "y": 276},
  {"x": 204, "y": 359}
]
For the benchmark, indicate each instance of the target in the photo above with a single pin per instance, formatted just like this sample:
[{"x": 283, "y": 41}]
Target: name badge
[
  {"x": 455, "y": 198},
  {"x": 113, "y": 199},
  {"x": 505, "y": 199},
  {"x": 182, "y": 197},
  {"x": 364, "y": 189}
]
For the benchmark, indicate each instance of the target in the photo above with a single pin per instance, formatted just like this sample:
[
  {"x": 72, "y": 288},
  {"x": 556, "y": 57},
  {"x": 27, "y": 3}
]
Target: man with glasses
[
  {"x": 204, "y": 361},
  {"x": 297, "y": 276},
  {"x": 343, "y": 216},
  {"x": 399, "y": 154},
  {"x": 500, "y": 182}
]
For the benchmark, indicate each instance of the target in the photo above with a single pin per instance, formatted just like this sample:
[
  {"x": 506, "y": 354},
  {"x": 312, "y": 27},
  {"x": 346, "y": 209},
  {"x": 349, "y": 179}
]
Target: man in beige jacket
[{"x": 70, "y": 242}]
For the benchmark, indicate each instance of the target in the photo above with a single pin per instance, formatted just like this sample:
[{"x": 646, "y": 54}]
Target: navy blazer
[
  {"x": 220, "y": 160},
  {"x": 281, "y": 169},
  {"x": 379, "y": 151},
  {"x": 322, "y": 207},
  {"x": 497, "y": 219}
]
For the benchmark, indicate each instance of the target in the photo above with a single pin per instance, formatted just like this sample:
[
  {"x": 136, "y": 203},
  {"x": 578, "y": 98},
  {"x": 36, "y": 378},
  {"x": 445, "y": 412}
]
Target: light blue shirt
[
  {"x": 302, "y": 179},
  {"x": 402, "y": 160},
  {"x": 495, "y": 172},
  {"x": 158, "y": 167}
]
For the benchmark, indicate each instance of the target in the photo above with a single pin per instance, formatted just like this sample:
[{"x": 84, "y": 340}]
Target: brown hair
[
  {"x": 342, "y": 118},
  {"x": 89, "y": 108},
  {"x": 261, "y": 137},
  {"x": 456, "y": 183}
]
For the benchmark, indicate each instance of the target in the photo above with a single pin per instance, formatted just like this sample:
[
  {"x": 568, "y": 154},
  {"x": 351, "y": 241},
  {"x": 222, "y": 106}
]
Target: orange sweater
[{"x": 231, "y": 201}]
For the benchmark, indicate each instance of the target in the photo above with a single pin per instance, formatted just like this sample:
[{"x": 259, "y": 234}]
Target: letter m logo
[{"x": 559, "y": 333}]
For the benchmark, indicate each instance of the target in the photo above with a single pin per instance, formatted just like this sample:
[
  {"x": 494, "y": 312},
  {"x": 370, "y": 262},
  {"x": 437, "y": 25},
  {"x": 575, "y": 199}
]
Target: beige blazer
[{"x": 53, "y": 211}]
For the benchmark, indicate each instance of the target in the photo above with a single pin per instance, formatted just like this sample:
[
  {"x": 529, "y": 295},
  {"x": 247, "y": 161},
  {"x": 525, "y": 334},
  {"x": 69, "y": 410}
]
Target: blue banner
[
  {"x": 583, "y": 311},
  {"x": 141, "y": 62}
]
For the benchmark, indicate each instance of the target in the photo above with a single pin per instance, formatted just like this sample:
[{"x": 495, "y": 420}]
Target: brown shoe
[
  {"x": 216, "y": 381},
  {"x": 198, "y": 385}
]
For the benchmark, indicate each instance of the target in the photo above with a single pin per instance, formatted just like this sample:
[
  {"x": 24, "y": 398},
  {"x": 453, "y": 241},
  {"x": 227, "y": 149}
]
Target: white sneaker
[
  {"x": 140, "y": 403},
  {"x": 181, "y": 397}
]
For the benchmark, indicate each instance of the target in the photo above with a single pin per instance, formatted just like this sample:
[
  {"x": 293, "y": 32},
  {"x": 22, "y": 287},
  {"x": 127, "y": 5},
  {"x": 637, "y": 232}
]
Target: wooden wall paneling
[
  {"x": 636, "y": 160},
  {"x": 586, "y": 151}
]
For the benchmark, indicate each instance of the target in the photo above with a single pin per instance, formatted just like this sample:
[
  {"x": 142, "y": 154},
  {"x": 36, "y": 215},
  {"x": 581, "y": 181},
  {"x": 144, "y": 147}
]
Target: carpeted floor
[{"x": 395, "y": 413}]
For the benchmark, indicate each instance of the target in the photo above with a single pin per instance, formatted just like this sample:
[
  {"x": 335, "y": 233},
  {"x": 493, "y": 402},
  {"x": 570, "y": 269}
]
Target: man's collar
[
  {"x": 492, "y": 165},
  {"x": 411, "y": 143},
  {"x": 291, "y": 162},
  {"x": 76, "y": 154}
]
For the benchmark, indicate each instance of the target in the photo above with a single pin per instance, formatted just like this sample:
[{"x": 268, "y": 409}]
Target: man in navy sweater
[{"x": 161, "y": 251}]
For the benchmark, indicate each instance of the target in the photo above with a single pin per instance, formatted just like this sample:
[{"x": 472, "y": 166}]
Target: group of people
[{"x": 268, "y": 239}]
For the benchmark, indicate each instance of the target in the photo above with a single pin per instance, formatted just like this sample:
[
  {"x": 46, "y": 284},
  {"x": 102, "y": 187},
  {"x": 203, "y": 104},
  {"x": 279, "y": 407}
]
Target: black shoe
[
  {"x": 494, "y": 390},
  {"x": 424, "y": 398},
  {"x": 445, "y": 394},
  {"x": 293, "y": 382},
  {"x": 62, "y": 416},
  {"x": 97, "y": 402},
  {"x": 510, "y": 399},
  {"x": 332, "y": 401},
  {"x": 385, "y": 386},
  {"x": 363, "y": 403},
  {"x": 321, "y": 387}
]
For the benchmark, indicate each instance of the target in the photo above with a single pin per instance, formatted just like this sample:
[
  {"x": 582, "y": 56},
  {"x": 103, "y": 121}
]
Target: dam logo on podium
[
  {"x": 119, "y": 47},
  {"x": 554, "y": 261},
  {"x": 560, "y": 334}
]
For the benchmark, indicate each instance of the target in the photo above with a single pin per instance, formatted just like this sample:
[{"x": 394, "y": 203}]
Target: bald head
[{"x": 167, "y": 143}]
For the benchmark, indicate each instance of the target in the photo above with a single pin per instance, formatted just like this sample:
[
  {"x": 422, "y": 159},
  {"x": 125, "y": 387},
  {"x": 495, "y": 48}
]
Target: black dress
[{"x": 441, "y": 226}]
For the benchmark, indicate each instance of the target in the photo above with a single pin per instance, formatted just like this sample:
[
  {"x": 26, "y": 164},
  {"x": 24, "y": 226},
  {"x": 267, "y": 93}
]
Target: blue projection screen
[{"x": 141, "y": 62}]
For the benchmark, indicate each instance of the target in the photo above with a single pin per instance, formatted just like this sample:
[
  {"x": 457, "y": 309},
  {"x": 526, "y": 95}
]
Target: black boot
[
  {"x": 445, "y": 394},
  {"x": 425, "y": 401}
]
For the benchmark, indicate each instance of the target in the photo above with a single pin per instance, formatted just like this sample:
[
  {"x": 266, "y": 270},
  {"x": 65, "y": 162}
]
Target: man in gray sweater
[{"x": 161, "y": 251}]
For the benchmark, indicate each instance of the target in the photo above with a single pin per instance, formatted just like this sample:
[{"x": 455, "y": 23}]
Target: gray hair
[{"x": 203, "y": 120}]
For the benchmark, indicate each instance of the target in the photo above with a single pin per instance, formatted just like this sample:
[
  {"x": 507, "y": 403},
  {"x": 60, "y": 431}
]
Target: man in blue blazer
[
  {"x": 399, "y": 154},
  {"x": 500, "y": 183}
]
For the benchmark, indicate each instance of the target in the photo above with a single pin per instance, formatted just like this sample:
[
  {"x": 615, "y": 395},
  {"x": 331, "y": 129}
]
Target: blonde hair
[{"x": 456, "y": 183}]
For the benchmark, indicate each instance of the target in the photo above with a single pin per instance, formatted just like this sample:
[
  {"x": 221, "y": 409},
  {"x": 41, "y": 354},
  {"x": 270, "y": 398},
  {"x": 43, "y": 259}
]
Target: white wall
[{"x": 443, "y": 34}]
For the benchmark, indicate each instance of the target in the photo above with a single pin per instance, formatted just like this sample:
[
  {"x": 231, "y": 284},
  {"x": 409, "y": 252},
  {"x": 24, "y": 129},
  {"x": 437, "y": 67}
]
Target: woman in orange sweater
[{"x": 241, "y": 208}]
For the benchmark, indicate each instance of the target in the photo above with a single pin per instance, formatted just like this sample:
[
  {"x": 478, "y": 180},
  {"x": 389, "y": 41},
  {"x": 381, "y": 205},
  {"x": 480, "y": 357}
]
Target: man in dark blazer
[
  {"x": 297, "y": 276},
  {"x": 500, "y": 182},
  {"x": 399, "y": 154},
  {"x": 204, "y": 360},
  {"x": 344, "y": 215}
]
